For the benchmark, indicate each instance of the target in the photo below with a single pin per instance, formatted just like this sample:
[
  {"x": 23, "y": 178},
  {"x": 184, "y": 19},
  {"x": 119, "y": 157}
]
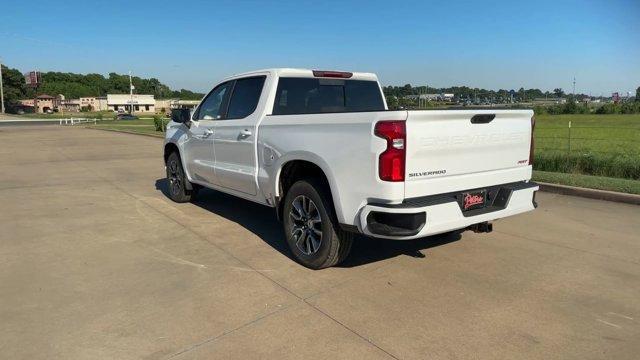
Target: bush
[
  {"x": 618, "y": 166},
  {"x": 620, "y": 108},
  {"x": 159, "y": 123},
  {"x": 569, "y": 107},
  {"x": 608, "y": 108},
  {"x": 555, "y": 109},
  {"x": 630, "y": 107},
  {"x": 540, "y": 110}
]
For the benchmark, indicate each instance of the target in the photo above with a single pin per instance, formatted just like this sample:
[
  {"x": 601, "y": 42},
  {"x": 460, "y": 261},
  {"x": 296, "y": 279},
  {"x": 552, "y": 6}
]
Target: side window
[
  {"x": 212, "y": 107},
  {"x": 245, "y": 97}
]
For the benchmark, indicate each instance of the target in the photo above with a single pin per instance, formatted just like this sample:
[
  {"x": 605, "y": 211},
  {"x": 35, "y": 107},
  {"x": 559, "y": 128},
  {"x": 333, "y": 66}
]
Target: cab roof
[{"x": 306, "y": 73}]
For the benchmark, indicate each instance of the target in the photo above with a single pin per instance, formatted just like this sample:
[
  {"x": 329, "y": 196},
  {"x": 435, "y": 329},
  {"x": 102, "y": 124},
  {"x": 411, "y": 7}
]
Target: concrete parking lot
[{"x": 96, "y": 263}]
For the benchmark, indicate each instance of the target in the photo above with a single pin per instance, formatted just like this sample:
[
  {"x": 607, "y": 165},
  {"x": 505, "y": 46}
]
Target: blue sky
[{"x": 192, "y": 44}]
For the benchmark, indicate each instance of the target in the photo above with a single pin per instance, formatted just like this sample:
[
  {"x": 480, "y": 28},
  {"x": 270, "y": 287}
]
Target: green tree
[
  {"x": 392, "y": 101},
  {"x": 187, "y": 95},
  {"x": 14, "y": 87},
  {"x": 79, "y": 85},
  {"x": 558, "y": 92},
  {"x": 638, "y": 94}
]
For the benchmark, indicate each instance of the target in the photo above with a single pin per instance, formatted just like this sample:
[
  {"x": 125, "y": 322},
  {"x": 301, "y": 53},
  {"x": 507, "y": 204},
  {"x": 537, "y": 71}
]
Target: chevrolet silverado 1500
[{"x": 322, "y": 148}]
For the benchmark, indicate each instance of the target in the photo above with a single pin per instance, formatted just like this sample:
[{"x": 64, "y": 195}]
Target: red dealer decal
[{"x": 472, "y": 199}]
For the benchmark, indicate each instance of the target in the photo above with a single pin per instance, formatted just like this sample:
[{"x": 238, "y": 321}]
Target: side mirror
[{"x": 182, "y": 116}]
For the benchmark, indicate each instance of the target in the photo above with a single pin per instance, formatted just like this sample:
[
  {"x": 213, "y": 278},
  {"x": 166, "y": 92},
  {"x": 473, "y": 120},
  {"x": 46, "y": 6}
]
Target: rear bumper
[{"x": 435, "y": 214}]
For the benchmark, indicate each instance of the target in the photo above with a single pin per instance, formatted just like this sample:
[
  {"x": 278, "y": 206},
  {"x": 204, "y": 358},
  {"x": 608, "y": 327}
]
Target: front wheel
[
  {"x": 177, "y": 180},
  {"x": 311, "y": 228}
]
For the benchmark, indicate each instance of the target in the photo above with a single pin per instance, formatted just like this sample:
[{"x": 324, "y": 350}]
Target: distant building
[
  {"x": 68, "y": 105},
  {"x": 26, "y": 106},
  {"x": 165, "y": 106},
  {"x": 101, "y": 103},
  {"x": 45, "y": 103},
  {"x": 41, "y": 104},
  {"x": 431, "y": 97},
  {"x": 94, "y": 103},
  {"x": 87, "y": 102},
  {"x": 549, "y": 101},
  {"x": 125, "y": 103}
]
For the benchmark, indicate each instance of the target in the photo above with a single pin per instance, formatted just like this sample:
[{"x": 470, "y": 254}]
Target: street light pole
[
  {"x": 130, "y": 94},
  {"x": 1, "y": 91}
]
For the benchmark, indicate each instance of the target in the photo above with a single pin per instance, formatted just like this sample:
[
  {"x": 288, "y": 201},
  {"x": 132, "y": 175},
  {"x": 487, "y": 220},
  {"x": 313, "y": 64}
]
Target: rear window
[{"x": 312, "y": 96}]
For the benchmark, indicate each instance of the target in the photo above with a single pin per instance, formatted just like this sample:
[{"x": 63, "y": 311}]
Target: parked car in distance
[
  {"x": 126, "y": 117},
  {"x": 323, "y": 150}
]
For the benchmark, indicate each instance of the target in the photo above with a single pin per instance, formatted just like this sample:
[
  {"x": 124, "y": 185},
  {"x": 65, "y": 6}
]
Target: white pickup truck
[{"x": 322, "y": 148}]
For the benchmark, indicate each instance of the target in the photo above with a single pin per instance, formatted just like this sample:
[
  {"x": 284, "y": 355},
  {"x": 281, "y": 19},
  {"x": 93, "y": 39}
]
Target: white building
[
  {"x": 94, "y": 103},
  {"x": 124, "y": 103}
]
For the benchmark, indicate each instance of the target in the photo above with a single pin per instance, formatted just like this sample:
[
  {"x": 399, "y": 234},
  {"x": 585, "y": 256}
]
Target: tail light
[
  {"x": 332, "y": 74},
  {"x": 392, "y": 160},
  {"x": 531, "y": 147}
]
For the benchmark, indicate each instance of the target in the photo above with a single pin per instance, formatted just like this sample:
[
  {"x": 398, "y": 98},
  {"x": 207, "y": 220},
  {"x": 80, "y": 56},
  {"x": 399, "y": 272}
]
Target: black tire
[
  {"x": 301, "y": 228},
  {"x": 345, "y": 246},
  {"x": 177, "y": 180}
]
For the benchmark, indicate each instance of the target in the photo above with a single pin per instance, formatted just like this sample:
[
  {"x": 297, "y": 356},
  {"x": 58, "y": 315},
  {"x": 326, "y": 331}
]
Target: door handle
[
  {"x": 245, "y": 133},
  {"x": 207, "y": 133}
]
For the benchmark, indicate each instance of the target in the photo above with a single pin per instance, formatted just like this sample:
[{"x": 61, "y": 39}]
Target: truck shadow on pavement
[{"x": 261, "y": 220}]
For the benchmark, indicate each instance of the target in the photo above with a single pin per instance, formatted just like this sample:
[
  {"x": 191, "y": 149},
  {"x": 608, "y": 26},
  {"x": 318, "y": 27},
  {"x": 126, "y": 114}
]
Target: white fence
[{"x": 76, "y": 121}]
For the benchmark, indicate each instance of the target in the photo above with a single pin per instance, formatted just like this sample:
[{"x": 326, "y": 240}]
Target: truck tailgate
[{"x": 448, "y": 151}]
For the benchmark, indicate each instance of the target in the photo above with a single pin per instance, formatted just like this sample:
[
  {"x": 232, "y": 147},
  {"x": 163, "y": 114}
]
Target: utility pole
[
  {"x": 130, "y": 94},
  {"x": 574, "y": 86},
  {"x": 1, "y": 91}
]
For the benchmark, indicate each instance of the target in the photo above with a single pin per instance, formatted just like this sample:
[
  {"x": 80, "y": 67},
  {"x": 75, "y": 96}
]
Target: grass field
[
  {"x": 602, "y": 145},
  {"x": 598, "y": 134}
]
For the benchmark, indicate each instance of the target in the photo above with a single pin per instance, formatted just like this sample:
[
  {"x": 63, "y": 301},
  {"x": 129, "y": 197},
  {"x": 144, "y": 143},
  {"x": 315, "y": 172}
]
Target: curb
[{"x": 590, "y": 193}]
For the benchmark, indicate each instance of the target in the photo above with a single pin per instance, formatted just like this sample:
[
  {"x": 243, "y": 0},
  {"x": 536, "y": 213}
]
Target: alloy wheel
[
  {"x": 306, "y": 228},
  {"x": 175, "y": 177}
]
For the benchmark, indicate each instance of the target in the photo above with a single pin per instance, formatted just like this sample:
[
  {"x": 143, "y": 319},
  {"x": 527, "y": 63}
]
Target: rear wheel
[
  {"x": 177, "y": 180},
  {"x": 311, "y": 228}
]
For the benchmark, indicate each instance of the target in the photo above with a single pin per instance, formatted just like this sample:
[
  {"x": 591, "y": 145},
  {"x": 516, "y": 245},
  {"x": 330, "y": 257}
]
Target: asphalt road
[{"x": 96, "y": 263}]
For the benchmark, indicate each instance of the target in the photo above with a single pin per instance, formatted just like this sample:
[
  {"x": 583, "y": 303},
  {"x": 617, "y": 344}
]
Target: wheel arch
[
  {"x": 169, "y": 148},
  {"x": 297, "y": 169}
]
